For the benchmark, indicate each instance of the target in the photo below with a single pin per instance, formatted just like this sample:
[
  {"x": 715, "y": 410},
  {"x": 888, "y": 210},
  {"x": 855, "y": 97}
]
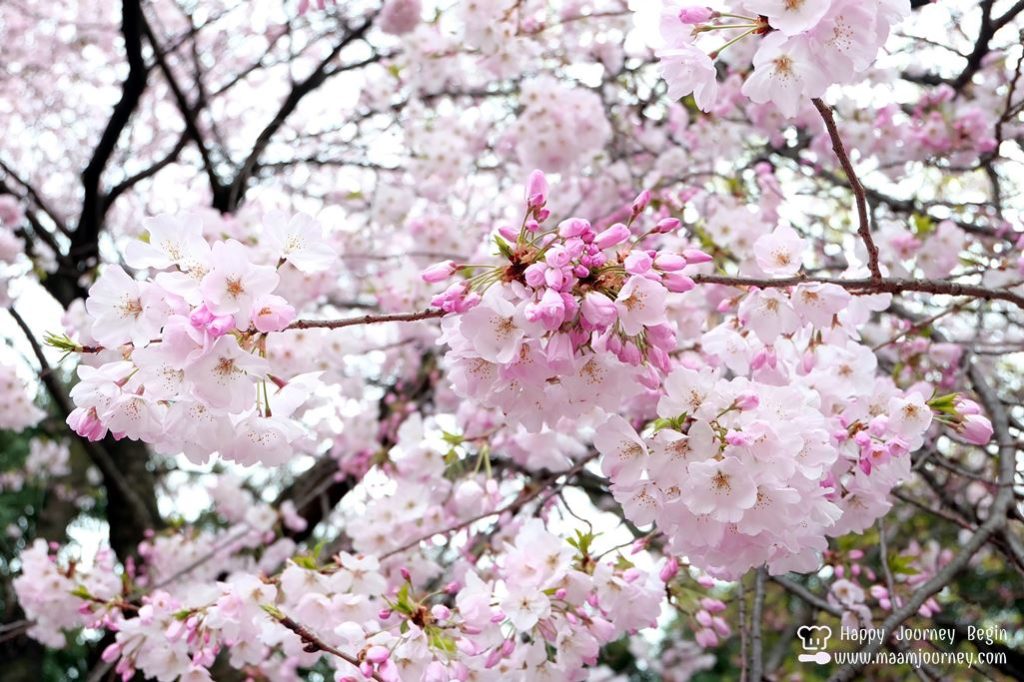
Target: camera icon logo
[{"x": 814, "y": 638}]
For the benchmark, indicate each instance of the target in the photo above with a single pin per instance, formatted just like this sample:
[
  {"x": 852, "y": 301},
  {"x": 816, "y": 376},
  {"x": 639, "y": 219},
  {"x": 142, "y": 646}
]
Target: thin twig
[
  {"x": 864, "y": 228},
  {"x": 523, "y": 498},
  {"x": 886, "y": 285},
  {"x": 311, "y": 640},
  {"x": 366, "y": 319},
  {"x": 756, "y": 647}
]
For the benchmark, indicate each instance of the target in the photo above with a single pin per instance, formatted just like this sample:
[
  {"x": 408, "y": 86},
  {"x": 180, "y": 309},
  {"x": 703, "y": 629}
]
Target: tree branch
[
  {"x": 366, "y": 319},
  {"x": 889, "y": 285},
  {"x": 320, "y": 74},
  {"x": 142, "y": 513},
  {"x": 85, "y": 241},
  {"x": 864, "y": 228}
]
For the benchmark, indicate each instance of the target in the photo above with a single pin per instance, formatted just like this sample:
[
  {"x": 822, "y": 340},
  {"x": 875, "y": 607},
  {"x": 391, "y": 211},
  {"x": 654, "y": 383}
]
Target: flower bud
[
  {"x": 642, "y": 201},
  {"x": 271, "y": 313},
  {"x": 696, "y": 256},
  {"x": 695, "y": 15},
  {"x": 438, "y": 272},
  {"x": 638, "y": 262},
  {"x": 669, "y": 570},
  {"x": 598, "y": 309},
  {"x": 613, "y": 236},
  {"x": 678, "y": 283},
  {"x": 669, "y": 262},
  {"x": 536, "y": 189},
  {"x": 976, "y": 429},
  {"x": 666, "y": 225},
  {"x": 747, "y": 401}
]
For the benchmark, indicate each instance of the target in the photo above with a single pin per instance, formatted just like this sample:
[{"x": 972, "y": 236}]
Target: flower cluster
[
  {"x": 574, "y": 319},
  {"x": 541, "y": 609},
  {"x": 17, "y": 409},
  {"x": 559, "y": 127},
  {"x": 44, "y": 587},
  {"x": 189, "y": 373},
  {"x": 803, "y": 442},
  {"x": 802, "y": 46},
  {"x": 942, "y": 126}
]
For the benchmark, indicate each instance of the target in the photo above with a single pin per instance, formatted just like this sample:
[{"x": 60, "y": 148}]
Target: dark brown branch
[
  {"x": 756, "y": 618},
  {"x": 299, "y": 91},
  {"x": 312, "y": 641},
  {"x": 85, "y": 241},
  {"x": 149, "y": 172},
  {"x": 188, "y": 113},
  {"x": 888, "y": 285},
  {"x": 366, "y": 319},
  {"x": 864, "y": 225},
  {"x": 126, "y": 529},
  {"x": 35, "y": 197}
]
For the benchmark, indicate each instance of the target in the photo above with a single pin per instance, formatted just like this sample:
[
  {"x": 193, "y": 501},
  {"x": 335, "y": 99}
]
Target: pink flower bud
[
  {"x": 669, "y": 262},
  {"x": 536, "y": 189},
  {"x": 638, "y": 262},
  {"x": 737, "y": 439},
  {"x": 613, "y": 236},
  {"x": 706, "y": 638},
  {"x": 598, "y": 309},
  {"x": 641, "y": 202},
  {"x": 86, "y": 423},
  {"x": 696, "y": 256},
  {"x": 377, "y": 654},
  {"x": 976, "y": 429},
  {"x": 704, "y": 618},
  {"x": 966, "y": 406},
  {"x": 440, "y": 612},
  {"x": 747, "y": 401},
  {"x": 573, "y": 227},
  {"x": 695, "y": 15},
  {"x": 678, "y": 283},
  {"x": 712, "y": 605},
  {"x": 666, "y": 225},
  {"x": 493, "y": 658},
  {"x": 271, "y": 314},
  {"x": 438, "y": 272},
  {"x": 669, "y": 570},
  {"x": 406, "y": 576}
]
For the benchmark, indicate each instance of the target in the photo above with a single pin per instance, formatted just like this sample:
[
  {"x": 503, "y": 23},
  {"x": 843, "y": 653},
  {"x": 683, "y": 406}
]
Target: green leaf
[
  {"x": 503, "y": 248},
  {"x": 81, "y": 592},
  {"x": 441, "y": 641}
]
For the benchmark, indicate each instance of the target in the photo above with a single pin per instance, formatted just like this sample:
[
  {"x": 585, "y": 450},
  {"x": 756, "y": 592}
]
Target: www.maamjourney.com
[
  {"x": 937, "y": 635},
  {"x": 918, "y": 658}
]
